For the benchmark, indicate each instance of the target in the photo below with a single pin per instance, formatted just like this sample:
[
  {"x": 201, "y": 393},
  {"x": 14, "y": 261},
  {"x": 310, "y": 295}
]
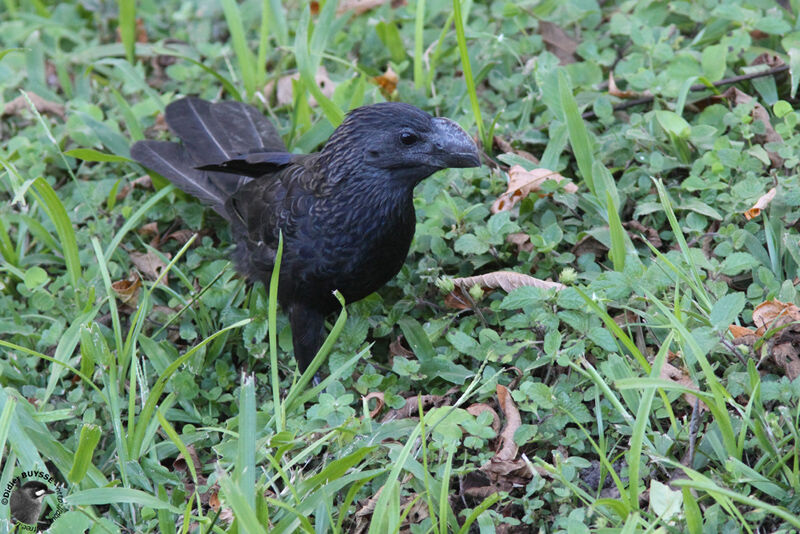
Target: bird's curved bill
[{"x": 453, "y": 147}]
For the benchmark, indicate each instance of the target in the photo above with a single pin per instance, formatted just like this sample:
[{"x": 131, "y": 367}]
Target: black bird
[
  {"x": 346, "y": 212},
  {"x": 26, "y": 501}
]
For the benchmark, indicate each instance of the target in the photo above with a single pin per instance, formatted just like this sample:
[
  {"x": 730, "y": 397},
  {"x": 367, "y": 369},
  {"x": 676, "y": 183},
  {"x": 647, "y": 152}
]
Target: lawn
[{"x": 593, "y": 332}]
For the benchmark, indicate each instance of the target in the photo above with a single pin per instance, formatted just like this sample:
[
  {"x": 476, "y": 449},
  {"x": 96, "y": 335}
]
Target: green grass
[{"x": 659, "y": 261}]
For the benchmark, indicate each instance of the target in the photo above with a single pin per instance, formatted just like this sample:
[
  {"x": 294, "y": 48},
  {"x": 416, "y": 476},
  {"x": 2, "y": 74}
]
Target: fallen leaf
[
  {"x": 20, "y": 103},
  {"x": 396, "y": 348},
  {"x": 626, "y": 319},
  {"x": 149, "y": 264},
  {"x": 650, "y": 234},
  {"x": 127, "y": 291},
  {"x": 557, "y": 42},
  {"x": 673, "y": 374},
  {"x": 613, "y": 90},
  {"x": 142, "y": 182},
  {"x": 774, "y": 314},
  {"x": 760, "y": 204},
  {"x": 377, "y": 395},
  {"x": 150, "y": 230},
  {"x": 459, "y": 298},
  {"x": 180, "y": 464},
  {"x": 786, "y": 355},
  {"x": 505, "y": 461},
  {"x": 411, "y": 407},
  {"x": 740, "y": 331},
  {"x": 181, "y": 236},
  {"x": 779, "y": 324},
  {"x": 213, "y": 498},
  {"x": 284, "y": 88},
  {"x": 480, "y": 407},
  {"x": 589, "y": 245},
  {"x": 505, "y": 280},
  {"x": 508, "y": 449},
  {"x": 521, "y": 240},
  {"x": 387, "y": 82},
  {"x": 506, "y": 147},
  {"x": 769, "y": 59},
  {"x": 141, "y": 32},
  {"x": 522, "y": 183},
  {"x": 358, "y": 6}
]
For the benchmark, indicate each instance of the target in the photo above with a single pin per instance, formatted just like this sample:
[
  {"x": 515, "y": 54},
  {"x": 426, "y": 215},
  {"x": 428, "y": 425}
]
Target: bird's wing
[
  {"x": 264, "y": 207},
  {"x": 256, "y": 163}
]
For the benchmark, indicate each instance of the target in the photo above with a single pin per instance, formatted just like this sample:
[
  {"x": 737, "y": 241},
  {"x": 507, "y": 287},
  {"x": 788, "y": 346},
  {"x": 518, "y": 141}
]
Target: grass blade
[
  {"x": 244, "y": 56},
  {"x": 578, "y": 135},
  {"x": 66, "y": 233},
  {"x": 127, "y": 28},
  {"x": 272, "y": 330},
  {"x": 246, "y": 454},
  {"x": 468, "y": 79},
  {"x": 419, "y": 26},
  {"x": 87, "y": 442}
]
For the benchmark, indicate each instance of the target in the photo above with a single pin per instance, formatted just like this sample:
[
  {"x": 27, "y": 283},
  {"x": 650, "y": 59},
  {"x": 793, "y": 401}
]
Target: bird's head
[
  {"x": 402, "y": 139},
  {"x": 35, "y": 490}
]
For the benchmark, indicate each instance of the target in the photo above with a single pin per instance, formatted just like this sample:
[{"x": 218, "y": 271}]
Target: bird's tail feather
[{"x": 210, "y": 134}]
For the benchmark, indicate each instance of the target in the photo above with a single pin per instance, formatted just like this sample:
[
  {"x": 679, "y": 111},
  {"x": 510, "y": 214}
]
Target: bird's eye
[{"x": 408, "y": 138}]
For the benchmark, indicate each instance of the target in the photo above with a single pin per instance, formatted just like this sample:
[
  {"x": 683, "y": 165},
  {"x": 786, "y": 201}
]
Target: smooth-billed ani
[{"x": 346, "y": 212}]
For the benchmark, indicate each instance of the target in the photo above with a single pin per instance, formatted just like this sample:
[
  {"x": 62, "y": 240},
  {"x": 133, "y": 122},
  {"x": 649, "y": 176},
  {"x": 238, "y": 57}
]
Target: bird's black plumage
[
  {"x": 26, "y": 501},
  {"x": 346, "y": 212}
]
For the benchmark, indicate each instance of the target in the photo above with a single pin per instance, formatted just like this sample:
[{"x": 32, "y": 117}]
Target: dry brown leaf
[
  {"x": 181, "y": 236},
  {"x": 521, "y": 240},
  {"x": 411, "y": 407},
  {"x": 377, "y": 395},
  {"x": 127, "y": 291},
  {"x": 387, "y": 82},
  {"x": 786, "y": 356},
  {"x": 613, "y": 90},
  {"x": 626, "y": 318},
  {"x": 740, "y": 331},
  {"x": 505, "y": 461},
  {"x": 150, "y": 230},
  {"x": 781, "y": 322},
  {"x": 768, "y": 59},
  {"x": 673, "y": 374},
  {"x": 180, "y": 463},
  {"x": 141, "y": 32},
  {"x": 735, "y": 96},
  {"x": 589, "y": 245},
  {"x": 773, "y": 314},
  {"x": 760, "y": 204},
  {"x": 458, "y": 299},
  {"x": 143, "y": 182},
  {"x": 509, "y": 449},
  {"x": 149, "y": 264},
  {"x": 506, "y": 147},
  {"x": 505, "y": 280},
  {"x": 358, "y": 6},
  {"x": 522, "y": 183},
  {"x": 650, "y": 234},
  {"x": 213, "y": 498},
  {"x": 396, "y": 348},
  {"x": 284, "y": 88},
  {"x": 20, "y": 103},
  {"x": 557, "y": 42},
  {"x": 480, "y": 407}
]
